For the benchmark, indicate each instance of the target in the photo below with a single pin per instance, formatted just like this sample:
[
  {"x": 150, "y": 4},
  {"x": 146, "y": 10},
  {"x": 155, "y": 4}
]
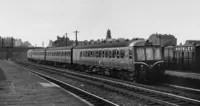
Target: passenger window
[
  {"x": 85, "y": 53},
  {"x": 110, "y": 53},
  {"x": 93, "y": 53},
  {"x": 106, "y": 53},
  {"x": 117, "y": 53},
  {"x": 114, "y": 54},
  {"x": 122, "y": 53},
  {"x": 103, "y": 53},
  {"x": 81, "y": 54},
  {"x": 88, "y": 54},
  {"x": 99, "y": 53}
]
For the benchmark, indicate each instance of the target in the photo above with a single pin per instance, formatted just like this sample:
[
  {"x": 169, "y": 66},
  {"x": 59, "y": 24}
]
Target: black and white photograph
[{"x": 99, "y": 53}]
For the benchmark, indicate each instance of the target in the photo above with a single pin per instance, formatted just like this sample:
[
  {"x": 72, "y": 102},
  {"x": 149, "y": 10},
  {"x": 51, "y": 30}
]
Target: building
[
  {"x": 163, "y": 39},
  {"x": 192, "y": 42},
  {"x": 50, "y": 43}
]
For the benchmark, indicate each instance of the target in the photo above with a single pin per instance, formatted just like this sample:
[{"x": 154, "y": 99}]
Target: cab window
[
  {"x": 149, "y": 54},
  {"x": 140, "y": 54},
  {"x": 157, "y": 54}
]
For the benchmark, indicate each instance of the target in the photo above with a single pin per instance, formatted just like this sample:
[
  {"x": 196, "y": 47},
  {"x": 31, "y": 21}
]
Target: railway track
[
  {"x": 151, "y": 97},
  {"x": 93, "y": 100}
]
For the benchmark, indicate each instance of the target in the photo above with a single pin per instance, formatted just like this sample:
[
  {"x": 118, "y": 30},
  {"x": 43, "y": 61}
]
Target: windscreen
[
  {"x": 148, "y": 53},
  {"x": 140, "y": 54},
  {"x": 157, "y": 54}
]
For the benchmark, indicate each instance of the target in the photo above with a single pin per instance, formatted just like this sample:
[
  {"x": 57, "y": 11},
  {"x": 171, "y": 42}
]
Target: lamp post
[{"x": 76, "y": 32}]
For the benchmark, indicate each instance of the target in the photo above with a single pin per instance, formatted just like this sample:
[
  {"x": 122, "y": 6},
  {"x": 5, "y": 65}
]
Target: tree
[
  {"x": 26, "y": 44},
  {"x": 108, "y": 36}
]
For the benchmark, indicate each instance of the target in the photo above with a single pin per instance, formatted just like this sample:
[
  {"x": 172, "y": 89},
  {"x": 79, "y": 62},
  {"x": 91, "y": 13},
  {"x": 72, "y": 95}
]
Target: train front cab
[{"x": 149, "y": 64}]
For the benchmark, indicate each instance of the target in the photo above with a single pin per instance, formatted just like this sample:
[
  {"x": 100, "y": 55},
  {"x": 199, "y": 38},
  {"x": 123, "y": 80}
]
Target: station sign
[{"x": 184, "y": 48}]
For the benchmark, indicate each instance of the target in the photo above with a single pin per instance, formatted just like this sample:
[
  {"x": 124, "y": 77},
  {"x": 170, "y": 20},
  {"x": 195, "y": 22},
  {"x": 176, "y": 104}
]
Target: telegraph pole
[{"x": 76, "y": 32}]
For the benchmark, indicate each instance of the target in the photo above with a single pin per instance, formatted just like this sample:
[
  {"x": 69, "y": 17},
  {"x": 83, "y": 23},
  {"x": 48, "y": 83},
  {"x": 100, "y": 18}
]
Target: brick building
[{"x": 163, "y": 39}]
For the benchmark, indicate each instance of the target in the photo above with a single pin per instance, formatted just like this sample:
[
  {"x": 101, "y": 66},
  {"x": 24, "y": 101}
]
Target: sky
[{"x": 39, "y": 21}]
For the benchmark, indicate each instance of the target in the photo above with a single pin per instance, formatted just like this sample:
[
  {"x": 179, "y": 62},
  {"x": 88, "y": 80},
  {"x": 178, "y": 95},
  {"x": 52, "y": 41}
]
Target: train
[{"x": 136, "y": 60}]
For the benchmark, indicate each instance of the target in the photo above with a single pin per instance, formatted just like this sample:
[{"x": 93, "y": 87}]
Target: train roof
[
  {"x": 42, "y": 49},
  {"x": 60, "y": 48},
  {"x": 113, "y": 44}
]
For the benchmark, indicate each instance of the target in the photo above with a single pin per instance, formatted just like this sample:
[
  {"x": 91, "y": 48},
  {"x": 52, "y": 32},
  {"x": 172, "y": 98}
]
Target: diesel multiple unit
[{"x": 136, "y": 60}]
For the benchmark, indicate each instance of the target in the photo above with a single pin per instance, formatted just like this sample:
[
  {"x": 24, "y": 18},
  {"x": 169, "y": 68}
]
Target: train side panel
[
  {"x": 58, "y": 55},
  {"x": 114, "y": 58},
  {"x": 38, "y": 55}
]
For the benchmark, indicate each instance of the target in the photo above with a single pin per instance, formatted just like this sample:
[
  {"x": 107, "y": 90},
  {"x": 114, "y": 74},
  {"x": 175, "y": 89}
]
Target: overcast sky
[{"x": 42, "y": 20}]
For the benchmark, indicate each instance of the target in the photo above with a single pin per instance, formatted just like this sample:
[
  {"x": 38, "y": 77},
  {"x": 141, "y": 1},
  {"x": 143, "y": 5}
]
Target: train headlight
[{"x": 141, "y": 66}]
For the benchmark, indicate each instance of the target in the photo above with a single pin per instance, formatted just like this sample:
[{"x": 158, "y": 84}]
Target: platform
[
  {"x": 178, "y": 73},
  {"x": 22, "y": 88}
]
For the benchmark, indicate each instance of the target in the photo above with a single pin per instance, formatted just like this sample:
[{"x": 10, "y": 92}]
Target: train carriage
[
  {"x": 59, "y": 55},
  {"x": 137, "y": 59},
  {"x": 37, "y": 55}
]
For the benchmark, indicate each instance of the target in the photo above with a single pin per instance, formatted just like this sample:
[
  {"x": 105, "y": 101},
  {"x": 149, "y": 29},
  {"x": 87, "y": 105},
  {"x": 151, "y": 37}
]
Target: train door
[{"x": 131, "y": 58}]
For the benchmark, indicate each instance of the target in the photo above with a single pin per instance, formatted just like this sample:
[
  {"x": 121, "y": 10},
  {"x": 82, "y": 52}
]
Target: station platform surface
[
  {"x": 178, "y": 73},
  {"x": 22, "y": 88}
]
